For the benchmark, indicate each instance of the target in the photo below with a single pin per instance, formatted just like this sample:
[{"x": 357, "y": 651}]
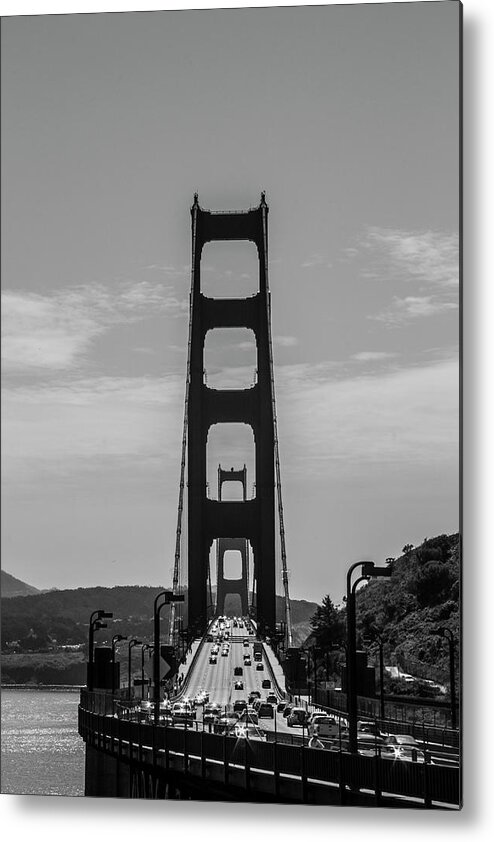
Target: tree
[{"x": 328, "y": 624}]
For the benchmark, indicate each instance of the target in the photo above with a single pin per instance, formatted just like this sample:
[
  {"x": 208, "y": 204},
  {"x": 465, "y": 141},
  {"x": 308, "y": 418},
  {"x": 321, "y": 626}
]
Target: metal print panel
[{"x": 231, "y": 546}]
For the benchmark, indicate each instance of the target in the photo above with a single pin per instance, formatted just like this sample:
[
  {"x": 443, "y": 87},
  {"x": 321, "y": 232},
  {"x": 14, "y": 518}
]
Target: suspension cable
[
  {"x": 178, "y": 534},
  {"x": 275, "y": 436}
]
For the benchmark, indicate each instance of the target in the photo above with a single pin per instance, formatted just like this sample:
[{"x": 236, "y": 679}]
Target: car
[
  {"x": 211, "y": 713},
  {"x": 259, "y": 666},
  {"x": 201, "y": 698},
  {"x": 250, "y": 715},
  {"x": 405, "y": 740},
  {"x": 146, "y": 709},
  {"x": 213, "y": 659},
  {"x": 247, "y": 731},
  {"x": 253, "y": 695},
  {"x": 280, "y": 707},
  {"x": 297, "y": 716},
  {"x": 369, "y": 744},
  {"x": 246, "y": 642},
  {"x": 287, "y": 710},
  {"x": 266, "y": 684},
  {"x": 264, "y": 709},
  {"x": 239, "y": 685},
  {"x": 407, "y": 753},
  {"x": 181, "y": 712},
  {"x": 225, "y": 724},
  {"x": 224, "y": 653},
  {"x": 321, "y": 725},
  {"x": 247, "y": 662},
  {"x": 239, "y": 705},
  {"x": 209, "y": 638},
  {"x": 238, "y": 671},
  {"x": 368, "y": 726}
]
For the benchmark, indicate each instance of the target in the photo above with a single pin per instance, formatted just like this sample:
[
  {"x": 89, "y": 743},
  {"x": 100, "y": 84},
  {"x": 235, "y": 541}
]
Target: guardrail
[
  {"x": 160, "y": 746},
  {"x": 335, "y": 703}
]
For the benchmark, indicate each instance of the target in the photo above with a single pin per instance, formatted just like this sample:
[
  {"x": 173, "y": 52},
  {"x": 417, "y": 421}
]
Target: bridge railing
[
  {"x": 427, "y": 732},
  {"x": 146, "y": 742}
]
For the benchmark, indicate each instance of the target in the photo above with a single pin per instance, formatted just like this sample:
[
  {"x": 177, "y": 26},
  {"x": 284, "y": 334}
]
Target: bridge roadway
[{"x": 219, "y": 679}]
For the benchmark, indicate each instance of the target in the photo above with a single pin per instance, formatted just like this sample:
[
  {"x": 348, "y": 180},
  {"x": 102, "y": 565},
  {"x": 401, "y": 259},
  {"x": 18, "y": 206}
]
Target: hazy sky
[{"x": 348, "y": 117}]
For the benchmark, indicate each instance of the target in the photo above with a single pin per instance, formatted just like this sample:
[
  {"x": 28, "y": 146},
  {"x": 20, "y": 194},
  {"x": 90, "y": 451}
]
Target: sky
[{"x": 347, "y": 116}]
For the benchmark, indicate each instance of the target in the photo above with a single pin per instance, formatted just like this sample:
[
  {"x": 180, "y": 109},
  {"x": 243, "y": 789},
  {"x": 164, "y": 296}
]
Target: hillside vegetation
[
  {"x": 421, "y": 595},
  {"x": 41, "y": 621}
]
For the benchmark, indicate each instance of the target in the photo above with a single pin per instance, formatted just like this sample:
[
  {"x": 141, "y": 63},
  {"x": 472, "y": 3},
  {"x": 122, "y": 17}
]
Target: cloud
[
  {"x": 413, "y": 307},
  {"x": 431, "y": 257},
  {"x": 316, "y": 260},
  {"x": 371, "y": 356},
  {"x": 409, "y": 416},
  {"x": 285, "y": 341},
  {"x": 56, "y": 331},
  {"x": 427, "y": 261},
  {"x": 80, "y": 426}
]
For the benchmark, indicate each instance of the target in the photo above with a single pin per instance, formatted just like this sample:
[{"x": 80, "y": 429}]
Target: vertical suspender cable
[
  {"x": 178, "y": 535},
  {"x": 276, "y": 446}
]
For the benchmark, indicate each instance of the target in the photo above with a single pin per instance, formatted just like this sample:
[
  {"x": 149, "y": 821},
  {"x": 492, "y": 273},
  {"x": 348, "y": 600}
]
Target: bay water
[{"x": 42, "y": 753}]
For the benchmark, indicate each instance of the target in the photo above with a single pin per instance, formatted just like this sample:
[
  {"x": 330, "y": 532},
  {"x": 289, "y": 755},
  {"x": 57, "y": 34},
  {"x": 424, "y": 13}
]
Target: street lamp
[
  {"x": 115, "y": 639},
  {"x": 95, "y": 624},
  {"x": 376, "y": 638},
  {"x": 133, "y": 642},
  {"x": 448, "y": 634},
  {"x": 169, "y": 597},
  {"x": 368, "y": 571},
  {"x": 314, "y": 668},
  {"x": 144, "y": 647}
]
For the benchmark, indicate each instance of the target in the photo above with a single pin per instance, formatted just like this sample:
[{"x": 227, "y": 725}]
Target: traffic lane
[{"x": 219, "y": 679}]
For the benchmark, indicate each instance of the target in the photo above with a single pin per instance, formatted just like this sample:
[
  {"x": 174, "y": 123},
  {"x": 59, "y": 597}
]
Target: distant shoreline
[{"x": 62, "y": 687}]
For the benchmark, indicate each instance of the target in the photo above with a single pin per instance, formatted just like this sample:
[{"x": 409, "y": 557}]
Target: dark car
[
  {"x": 239, "y": 705},
  {"x": 272, "y": 698},
  {"x": 266, "y": 684},
  {"x": 297, "y": 716},
  {"x": 280, "y": 707},
  {"x": 253, "y": 695},
  {"x": 287, "y": 710},
  {"x": 265, "y": 710},
  {"x": 211, "y": 713},
  {"x": 238, "y": 671},
  {"x": 239, "y": 685}
]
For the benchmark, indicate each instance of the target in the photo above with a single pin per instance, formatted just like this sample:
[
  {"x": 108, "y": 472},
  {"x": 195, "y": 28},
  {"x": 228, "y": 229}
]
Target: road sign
[{"x": 168, "y": 662}]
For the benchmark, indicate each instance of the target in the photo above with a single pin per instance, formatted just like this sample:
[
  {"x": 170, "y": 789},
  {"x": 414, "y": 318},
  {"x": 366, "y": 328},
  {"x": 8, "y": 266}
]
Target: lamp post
[
  {"x": 382, "y": 711},
  {"x": 169, "y": 597},
  {"x": 132, "y": 643},
  {"x": 95, "y": 624},
  {"x": 115, "y": 639},
  {"x": 314, "y": 668},
  {"x": 144, "y": 647},
  {"x": 448, "y": 634},
  {"x": 368, "y": 570}
]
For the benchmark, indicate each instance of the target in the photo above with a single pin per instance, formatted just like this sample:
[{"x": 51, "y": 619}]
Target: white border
[{"x": 29, "y": 817}]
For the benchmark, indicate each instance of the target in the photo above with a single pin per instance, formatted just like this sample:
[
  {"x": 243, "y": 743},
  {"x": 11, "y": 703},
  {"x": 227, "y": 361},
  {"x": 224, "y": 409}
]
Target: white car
[{"x": 321, "y": 725}]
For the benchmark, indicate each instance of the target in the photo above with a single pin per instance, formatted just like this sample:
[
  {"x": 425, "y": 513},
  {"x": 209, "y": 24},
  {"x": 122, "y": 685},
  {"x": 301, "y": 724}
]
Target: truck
[{"x": 257, "y": 647}]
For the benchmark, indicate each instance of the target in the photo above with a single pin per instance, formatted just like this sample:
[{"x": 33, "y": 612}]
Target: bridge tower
[
  {"x": 252, "y": 520},
  {"x": 239, "y": 586}
]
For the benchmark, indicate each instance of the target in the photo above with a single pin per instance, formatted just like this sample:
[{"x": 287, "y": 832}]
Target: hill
[
  {"x": 10, "y": 586},
  {"x": 421, "y": 595},
  {"x": 40, "y": 621}
]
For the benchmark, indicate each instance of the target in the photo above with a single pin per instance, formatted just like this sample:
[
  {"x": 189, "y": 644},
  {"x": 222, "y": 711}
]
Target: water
[{"x": 42, "y": 753}]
